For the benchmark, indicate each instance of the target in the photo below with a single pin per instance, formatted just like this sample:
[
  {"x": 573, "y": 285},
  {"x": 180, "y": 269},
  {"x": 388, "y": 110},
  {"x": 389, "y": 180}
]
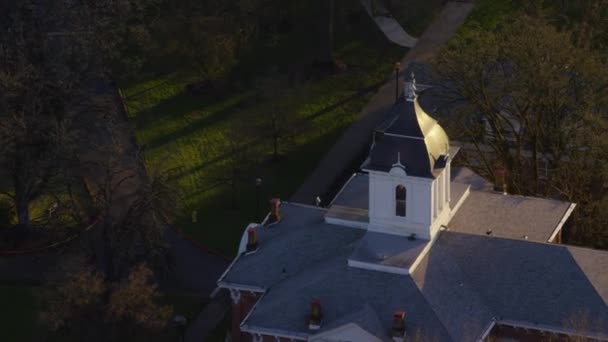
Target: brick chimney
[
  {"x": 500, "y": 182},
  {"x": 398, "y": 329},
  {"x": 316, "y": 315},
  {"x": 275, "y": 211},
  {"x": 252, "y": 240}
]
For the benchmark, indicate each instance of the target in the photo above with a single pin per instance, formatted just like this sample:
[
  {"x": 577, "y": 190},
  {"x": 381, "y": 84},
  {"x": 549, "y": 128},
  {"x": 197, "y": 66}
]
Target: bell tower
[{"x": 409, "y": 172}]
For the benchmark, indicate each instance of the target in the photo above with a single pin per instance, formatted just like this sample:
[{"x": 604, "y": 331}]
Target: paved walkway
[
  {"x": 208, "y": 320},
  {"x": 358, "y": 135},
  {"x": 387, "y": 24},
  {"x": 195, "y": 270}
]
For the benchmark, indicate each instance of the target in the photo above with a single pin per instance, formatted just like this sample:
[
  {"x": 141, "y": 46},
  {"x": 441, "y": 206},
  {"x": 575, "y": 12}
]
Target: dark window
[{"x": 400, "y": 196}]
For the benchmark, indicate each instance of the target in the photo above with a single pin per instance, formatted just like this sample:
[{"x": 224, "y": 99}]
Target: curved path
[
  {"x": 387, "y": 24},
  {"x": 357, "y": 137}
]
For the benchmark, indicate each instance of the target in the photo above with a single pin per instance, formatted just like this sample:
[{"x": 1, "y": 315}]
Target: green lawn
[
  {"x": 487, "y": 15},
  {"x": 181, "y": 132}
]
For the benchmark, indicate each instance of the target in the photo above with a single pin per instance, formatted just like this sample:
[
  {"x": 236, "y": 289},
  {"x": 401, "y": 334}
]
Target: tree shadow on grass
[
  {"x": 361, "y": 92},
  {"x": 195, "y": 125},
  {"x": 223, "y": 223},
  {"x": 212, "y": 161},
  {"x": 179, "y": 105},
  {"x": 260, "y": 140}
]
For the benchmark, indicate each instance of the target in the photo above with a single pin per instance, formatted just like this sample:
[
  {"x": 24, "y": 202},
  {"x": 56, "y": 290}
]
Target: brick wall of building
[{"x": 239, "y": 311}]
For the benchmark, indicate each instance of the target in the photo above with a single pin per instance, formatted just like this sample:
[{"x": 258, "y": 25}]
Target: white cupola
[{"x": 409, "y": 172}]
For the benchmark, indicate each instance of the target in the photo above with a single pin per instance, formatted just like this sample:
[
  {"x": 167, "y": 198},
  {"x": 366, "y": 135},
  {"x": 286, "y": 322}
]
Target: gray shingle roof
[
  {"x": 300, "y": 240},
  {"x": 388, "y": 250},
  {"x": 463, "y": 282},
  {"x": 457, "y": 190},
  {"x": 515, "y": 280},
  {"x": 355, "y": 193},
  {"x": 365, "y": 317},
  {"x": 388, "y": 148},
  {"x": 508, "y": 216},
  {"x": 411, "y": 137},
  {"x": 342, "y": 291},
  {"x": 452, "y": 297},
  {"x": 467, "y": 176}
]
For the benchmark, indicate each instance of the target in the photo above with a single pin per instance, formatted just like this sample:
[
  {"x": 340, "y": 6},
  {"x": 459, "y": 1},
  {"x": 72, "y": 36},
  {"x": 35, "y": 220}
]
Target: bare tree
[
  {"x": 35, "y": 127},
  {"x": 85, "y": 306},
  {"x": 237, "y": 156},
  {"x": 276, "y": 121},
  {"x": 525, "y": 93},
  {"x": 133, "y": 208}
]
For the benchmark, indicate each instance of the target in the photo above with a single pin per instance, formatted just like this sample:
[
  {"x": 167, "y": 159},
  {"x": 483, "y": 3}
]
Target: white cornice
[
  {"x": 240, "y": 287},
  {"x": 273, "y": 332},
  {"x": 377, "y": 267},
  {"x": 561, "y": 223}
]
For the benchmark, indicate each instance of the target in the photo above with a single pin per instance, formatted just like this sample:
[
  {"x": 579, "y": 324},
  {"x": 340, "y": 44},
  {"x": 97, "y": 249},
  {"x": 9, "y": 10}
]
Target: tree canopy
[{"x": 529, "y": 99}]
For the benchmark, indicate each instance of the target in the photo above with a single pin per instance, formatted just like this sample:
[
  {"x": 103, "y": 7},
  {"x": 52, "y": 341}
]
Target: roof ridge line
[
  {"x": 498, "y": 193},
  {"x": 431, "y": 307},
  {"x": 477, "y": 293},
  {"x": 566, "y": 246}
]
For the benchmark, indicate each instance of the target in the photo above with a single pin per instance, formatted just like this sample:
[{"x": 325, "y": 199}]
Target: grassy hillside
[{"x": 181, "y": 132}]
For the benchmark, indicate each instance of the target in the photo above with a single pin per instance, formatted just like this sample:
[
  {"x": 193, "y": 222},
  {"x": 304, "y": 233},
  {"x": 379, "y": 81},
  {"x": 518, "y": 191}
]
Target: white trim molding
[
  {"x": 235, "y": 295},
  {"x": 377, "y": 267},
  {"x": 228, "y": 285},
  {"x": 487, "y": 331},
  {"x": 424, "y": 252},
  {"x": 342, "y": 189},
  {"x": 274, "y": 332},
  {"x": 561, "y": 223}
]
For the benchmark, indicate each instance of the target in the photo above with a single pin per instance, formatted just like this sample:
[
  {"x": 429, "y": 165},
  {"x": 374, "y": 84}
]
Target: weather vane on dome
[{"x": 410, "y": 89}]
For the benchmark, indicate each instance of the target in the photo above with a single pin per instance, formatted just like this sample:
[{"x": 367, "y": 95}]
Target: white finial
[
  {"x": 410, "y": 89},
  {"x": 398, "y": 157}
]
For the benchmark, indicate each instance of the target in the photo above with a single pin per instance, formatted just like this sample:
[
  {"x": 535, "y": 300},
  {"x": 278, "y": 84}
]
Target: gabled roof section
[
  {"x": 464, "y": 175},
  {"x": 509, "y": 216},
  {"x": 365, "y": 318},
  {"x": 342, "y": 291},
  {"x": 298, "y": 241},
  {"x": 452, "y": 295},
  {"x": 506, "y": 279}
]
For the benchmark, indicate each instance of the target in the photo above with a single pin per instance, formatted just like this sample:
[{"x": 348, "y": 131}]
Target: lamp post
[
  {"x": 180, "y": 322},
  {"x": 258, "y": 185},
  {"x": 397, "y": 68}
]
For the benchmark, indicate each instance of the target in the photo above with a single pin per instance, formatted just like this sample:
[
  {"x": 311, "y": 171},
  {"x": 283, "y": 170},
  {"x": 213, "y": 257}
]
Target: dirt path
[{"x": 358, "y": 136}]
